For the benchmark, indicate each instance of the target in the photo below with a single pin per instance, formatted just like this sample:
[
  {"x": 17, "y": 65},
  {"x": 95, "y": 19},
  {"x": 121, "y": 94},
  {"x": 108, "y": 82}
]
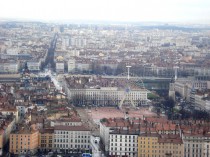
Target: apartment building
[
  {"x": 155, "y": 145},
  {"x": 71, "y": 138},
  {"x": 46, "y": 139},
  {"x": 71, "y": 65},
  {"x": 103, "y": 91},
  {"x": 9, "y": 67},
  {"x": 59, "y": 67},
  {"x": 123, "y": 143},
  {"x": 24, "y": 140},
  {"x": 106, "y": 128},
  {"x": 196, "y": 144},
  {"x": 34, "y": 66}
]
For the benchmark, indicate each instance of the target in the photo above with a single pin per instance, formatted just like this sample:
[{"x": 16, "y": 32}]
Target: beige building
[
  {"x": 25, "y": 140},
  {"x": 46, "y": 138},
  {"x": 154, "y": 145}
]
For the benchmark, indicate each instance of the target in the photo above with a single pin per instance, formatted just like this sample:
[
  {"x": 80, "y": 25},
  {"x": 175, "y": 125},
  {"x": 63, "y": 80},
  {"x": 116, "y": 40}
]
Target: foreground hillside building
[
  {"x": 123, "y": 143},
  {"x": 68, "y": 138},
  {"x": 156, "y": 145},
  {"x": 24, "y": 140}
]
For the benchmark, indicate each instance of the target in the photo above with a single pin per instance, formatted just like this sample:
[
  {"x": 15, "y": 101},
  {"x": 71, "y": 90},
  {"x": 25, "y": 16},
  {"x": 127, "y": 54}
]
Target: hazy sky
[{"x": 197, "y": 11}]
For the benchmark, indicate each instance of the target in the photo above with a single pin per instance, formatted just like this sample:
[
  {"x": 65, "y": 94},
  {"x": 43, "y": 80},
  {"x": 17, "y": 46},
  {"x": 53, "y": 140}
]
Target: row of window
[
  {"x": 164, "y": 147},
  {"x": 123, "y": 136},
  {"x": 71, "y": 132},
  {"x": 121, "y": 144},
  {"x": 44, "y": 141},
  {"x": 120, "y": 140},
  {"x": 72, "y": 136},
  {"x": 70, "y": 146},
  {"x": 44, "y": 137},
  {"x": 125, "y": 149},
  {"x": 156, "y": 151},
  {"x": 126, "y": 154},
  {"x": 72, "y": 140}
]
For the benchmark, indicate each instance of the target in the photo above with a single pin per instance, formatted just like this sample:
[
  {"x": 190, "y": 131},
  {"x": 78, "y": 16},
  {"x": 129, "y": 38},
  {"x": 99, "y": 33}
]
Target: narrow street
[{"x": 88, "y": 121}]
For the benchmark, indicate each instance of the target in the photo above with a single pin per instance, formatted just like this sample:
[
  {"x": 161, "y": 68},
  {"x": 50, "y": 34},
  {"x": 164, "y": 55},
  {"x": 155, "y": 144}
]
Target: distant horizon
[
  {"x": 105, "y": 22},
  {"x": 132, "y": 11}
]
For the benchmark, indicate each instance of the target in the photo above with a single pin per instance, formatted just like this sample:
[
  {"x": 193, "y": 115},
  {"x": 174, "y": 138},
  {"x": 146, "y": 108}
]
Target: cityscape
[{"x": 109, "y": 87}]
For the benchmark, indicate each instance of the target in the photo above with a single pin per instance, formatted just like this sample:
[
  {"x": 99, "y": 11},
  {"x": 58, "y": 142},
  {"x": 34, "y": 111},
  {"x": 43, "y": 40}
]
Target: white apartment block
[
  {"x": 9, "y": 67},
  {"x": 103, "y": 91},
  {"x": 184, "y": 87},
  {"x": 106, "y": 129},
  {"x": 71, "y": 65},
  {"x": 59, "y": 67},
  {"x": 201, "y": 103},
  {"x": 68, "y": 138},
  {"x": 196, "y": 145},
  {"x": 74, "y": 53},
  {"x": 82, "y": 66},
  {"x": 34, "y": 65},
  {"x": 104, "y": 134},
  {"x": 78, "y": 42},
  {"x": 123, "y": 143},
  {"x": 109, "y": 95}
]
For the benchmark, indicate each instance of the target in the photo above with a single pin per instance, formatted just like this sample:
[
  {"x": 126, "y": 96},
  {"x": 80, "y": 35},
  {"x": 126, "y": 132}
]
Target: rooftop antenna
[{"x": 128, "y": 66}]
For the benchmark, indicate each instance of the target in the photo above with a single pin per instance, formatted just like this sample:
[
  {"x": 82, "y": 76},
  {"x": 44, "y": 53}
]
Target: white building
[
  {"x": 104, "y": 134},
  {"x": 10, "y": 67},
  {"x": 84, "y": 66},
  {"x": 196, "y": 145},
  {"x": 184, "y": 87},
  {"x": 71, "y": 65},
  {"x": 65, "y": 43},
  {"x": 74, "y": 53},
  {"x": 108, "y": 96},
  {"x": 78, "y": 42},
  {"x": 103, "y": 91},
  {"x": 59, "y": 67},
  {"x": 71, "y": 138},
  {"x": 34, "y": 65},
  {"x": 107, "y": 127},
  {"x": 123, "y": 143}
]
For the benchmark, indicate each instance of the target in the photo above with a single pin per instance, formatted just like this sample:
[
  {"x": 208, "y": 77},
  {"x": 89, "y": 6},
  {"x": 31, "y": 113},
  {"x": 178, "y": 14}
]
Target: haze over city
[{"x": 182, "y": 11}]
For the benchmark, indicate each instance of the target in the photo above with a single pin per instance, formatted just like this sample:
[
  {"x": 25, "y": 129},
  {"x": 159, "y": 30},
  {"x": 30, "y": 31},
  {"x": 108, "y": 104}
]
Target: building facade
[
  {"x": 123, "y": 143},
  {"x": 24, "y": 141},
  {"x": 71, "y": 138},
  {"x": 155, "y": 145},
  {"x": 196, "y": 145},
  {"x": 46, "y": 138}
]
